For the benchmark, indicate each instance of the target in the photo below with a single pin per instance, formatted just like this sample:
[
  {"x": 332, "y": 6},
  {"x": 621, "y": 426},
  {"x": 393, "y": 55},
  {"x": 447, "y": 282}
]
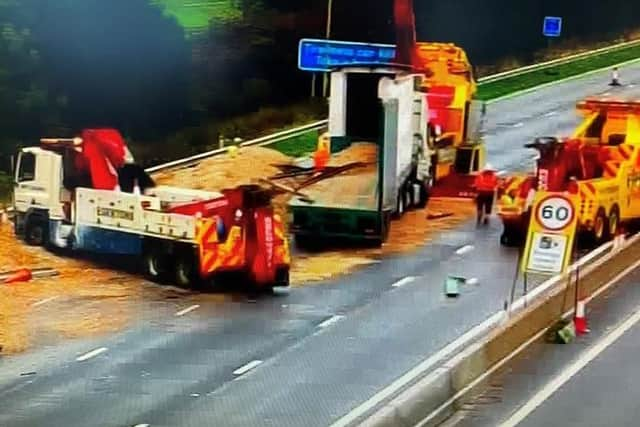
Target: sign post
[
  {"x": 551, "y": 27},
  {"x": 551, "y": 235}
]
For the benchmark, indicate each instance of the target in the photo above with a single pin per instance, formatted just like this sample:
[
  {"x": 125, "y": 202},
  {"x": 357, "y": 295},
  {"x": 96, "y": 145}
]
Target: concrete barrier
[{"x": 435, "y": 397}]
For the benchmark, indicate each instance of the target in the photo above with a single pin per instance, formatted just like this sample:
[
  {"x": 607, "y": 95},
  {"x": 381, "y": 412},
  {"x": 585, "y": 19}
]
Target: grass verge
[
  {"x": 298, "y": 146},
  {"x": 497, "y": 89}
]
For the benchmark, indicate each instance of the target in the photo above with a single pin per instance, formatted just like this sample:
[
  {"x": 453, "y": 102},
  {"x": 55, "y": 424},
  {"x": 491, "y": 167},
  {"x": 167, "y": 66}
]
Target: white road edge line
[
  {"x": 405, "y": 281},
  {"x": 92, "y": 353},
  {"x": 187, "y": 310},
  {"x": 392, "y": 388},
  {"x": 246, "y": 368},
  {"x": 465, "y": 249},
  {"x": 44, "y": 301},
  {"x": 565, "y": 376},
  {"x": 330, "y": 321},
  {"x": 472, "y": 281},
  {"x": 521, "y": 348}
]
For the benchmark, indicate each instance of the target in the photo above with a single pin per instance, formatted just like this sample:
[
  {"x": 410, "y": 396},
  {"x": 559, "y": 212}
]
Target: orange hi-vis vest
[{"x": 486, "y": 182}]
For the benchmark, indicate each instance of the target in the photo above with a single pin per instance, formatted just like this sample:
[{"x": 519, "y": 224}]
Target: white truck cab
[{"x": 39, "y": 195}]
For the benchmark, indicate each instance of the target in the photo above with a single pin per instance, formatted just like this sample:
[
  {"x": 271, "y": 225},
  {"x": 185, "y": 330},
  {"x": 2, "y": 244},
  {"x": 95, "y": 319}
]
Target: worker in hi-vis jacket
[{"x": 486, "y": 184}]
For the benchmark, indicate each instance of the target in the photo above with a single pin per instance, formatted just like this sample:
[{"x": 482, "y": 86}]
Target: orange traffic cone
[
  {"x": 580, "y": 320},
  {"x": 23, "y": 275}
]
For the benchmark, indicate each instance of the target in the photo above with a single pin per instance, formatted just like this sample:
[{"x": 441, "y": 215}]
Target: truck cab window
[{"x": 27, "y": 167}]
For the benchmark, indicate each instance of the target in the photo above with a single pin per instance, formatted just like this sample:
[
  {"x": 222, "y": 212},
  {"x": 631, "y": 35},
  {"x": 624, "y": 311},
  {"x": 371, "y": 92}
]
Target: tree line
[{"x": 66, "y": 65}]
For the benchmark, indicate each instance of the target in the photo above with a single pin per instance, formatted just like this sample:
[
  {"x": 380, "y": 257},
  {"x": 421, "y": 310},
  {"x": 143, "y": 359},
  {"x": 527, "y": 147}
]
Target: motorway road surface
[
  {"x": 592, "y": 382},
  {"x": 305, "y": 357}
]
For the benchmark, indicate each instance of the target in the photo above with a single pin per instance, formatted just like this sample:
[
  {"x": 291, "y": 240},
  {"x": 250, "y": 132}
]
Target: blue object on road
[
  {"x": 322, "y": 55},
  {"x": 552, "y": 26}
]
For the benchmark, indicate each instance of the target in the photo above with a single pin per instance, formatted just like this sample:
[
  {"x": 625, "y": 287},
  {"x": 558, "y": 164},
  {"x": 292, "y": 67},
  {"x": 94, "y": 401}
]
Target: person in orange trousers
[{"x": 486, "y": 184}]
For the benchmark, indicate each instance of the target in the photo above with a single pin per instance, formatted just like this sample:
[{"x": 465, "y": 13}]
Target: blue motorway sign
[
  {"x": 552, "y": 26},
  {"x": 322, "y": 55}
]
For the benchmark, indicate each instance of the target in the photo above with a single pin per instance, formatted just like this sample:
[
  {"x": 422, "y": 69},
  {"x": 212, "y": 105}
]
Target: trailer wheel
[
  {"x": 400, "y": 203},
  {"x": 614, "y": 221},
  {"x": 424, "y": 195},
  {"x": 36, "y": 233}
]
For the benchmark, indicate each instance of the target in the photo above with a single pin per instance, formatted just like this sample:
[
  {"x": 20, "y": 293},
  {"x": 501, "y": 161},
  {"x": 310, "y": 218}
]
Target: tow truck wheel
[
  {"x": 185, "y": 273},
  {"x": 614, "y": 221},
  {"x": 155, "y": 266},
  {"x": 600, "y": 228}
]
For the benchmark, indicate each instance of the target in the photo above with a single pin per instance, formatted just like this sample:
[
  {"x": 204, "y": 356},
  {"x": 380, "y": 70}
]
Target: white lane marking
[
  {"x": 472, "y": 281},
  {"x": 330, "y": 321},
  {"x": 187, "y": 310},
  {"x": 550, "y": 114},
  {"x": 606, "y": 94},
  {"x": 44, "y": 301},
  {"x": 246, "y": 368},
  {"x": 502, "y": 173},
  {"x": 613, "y": 281},
  {"x": 405, "y": 281},
  {"x": 465, "y": 249},
  {"x": 414, "y": 372},
  {"x": 92, "y": 353},
  {"x": 141, "y": 425},
  {"x": 573, "y": 369},
  {"x": 517, "y": 125}
]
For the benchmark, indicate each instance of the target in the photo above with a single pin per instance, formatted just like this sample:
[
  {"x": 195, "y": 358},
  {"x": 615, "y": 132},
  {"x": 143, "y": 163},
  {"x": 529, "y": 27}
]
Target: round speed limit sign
[{"x": 555, "y": 213}]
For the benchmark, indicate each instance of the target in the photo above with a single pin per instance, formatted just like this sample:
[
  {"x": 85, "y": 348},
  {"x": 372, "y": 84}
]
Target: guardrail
[
  {"x": 291, "y": 133},
  {"x": 559, "y": 61}
]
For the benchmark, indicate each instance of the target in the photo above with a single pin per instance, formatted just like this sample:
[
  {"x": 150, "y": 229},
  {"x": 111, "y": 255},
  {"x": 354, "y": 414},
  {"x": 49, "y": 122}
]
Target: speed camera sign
[{"x": 555, "y": 213}]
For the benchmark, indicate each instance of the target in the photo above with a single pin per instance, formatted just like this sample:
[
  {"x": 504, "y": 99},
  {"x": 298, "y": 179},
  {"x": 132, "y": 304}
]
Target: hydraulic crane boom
[{"x": 405, "y": 24}]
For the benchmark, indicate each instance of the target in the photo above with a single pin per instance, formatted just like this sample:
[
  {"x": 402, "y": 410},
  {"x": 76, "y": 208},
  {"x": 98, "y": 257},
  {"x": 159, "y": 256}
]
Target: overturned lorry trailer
[{"x": 381, "y": 107}]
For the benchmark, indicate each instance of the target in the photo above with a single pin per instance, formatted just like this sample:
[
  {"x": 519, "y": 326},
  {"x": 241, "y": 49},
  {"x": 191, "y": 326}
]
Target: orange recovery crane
[{"x": 600, "y": 163}]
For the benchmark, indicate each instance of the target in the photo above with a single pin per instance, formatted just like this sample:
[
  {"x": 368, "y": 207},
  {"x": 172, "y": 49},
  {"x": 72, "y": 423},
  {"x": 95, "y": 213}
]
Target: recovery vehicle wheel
[
  {"x": 600, "y": 228},
  {"x": 614, "y": 221},
  {"x": 155, "y": 266},
  {"x": 36, "y": 233},
  {"x": 186, "y": 270}
]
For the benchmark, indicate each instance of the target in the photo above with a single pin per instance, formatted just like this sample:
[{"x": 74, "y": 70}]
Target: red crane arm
[{"x": 405, "y": 23}]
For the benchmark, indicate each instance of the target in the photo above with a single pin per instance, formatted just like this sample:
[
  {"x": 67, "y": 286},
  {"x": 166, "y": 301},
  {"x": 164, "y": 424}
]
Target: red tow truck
[{"x": 87, "y": 194}]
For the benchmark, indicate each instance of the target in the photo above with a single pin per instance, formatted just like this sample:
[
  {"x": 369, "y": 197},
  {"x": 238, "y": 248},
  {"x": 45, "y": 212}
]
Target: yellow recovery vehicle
[{"x": 600, "y": 163}]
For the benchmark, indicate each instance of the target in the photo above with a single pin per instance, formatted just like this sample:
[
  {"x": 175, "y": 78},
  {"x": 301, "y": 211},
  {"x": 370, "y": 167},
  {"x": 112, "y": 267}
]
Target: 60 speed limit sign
[{"x": 555, "y": 213}]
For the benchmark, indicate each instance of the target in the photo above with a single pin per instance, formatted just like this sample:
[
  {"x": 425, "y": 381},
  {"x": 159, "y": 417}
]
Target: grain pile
[
  {"x": 88, "y": 300},
  {"x": 221, "y": 172},
  {"x": 349, "y": 186}
]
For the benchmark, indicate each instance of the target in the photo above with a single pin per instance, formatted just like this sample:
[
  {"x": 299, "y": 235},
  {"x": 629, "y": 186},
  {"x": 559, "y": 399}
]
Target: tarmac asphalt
[{"x": 306, "y": 356}]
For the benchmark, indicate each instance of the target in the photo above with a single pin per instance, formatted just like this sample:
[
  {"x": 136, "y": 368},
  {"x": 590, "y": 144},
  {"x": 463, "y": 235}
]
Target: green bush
[{"x": 6, "y": 187}]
